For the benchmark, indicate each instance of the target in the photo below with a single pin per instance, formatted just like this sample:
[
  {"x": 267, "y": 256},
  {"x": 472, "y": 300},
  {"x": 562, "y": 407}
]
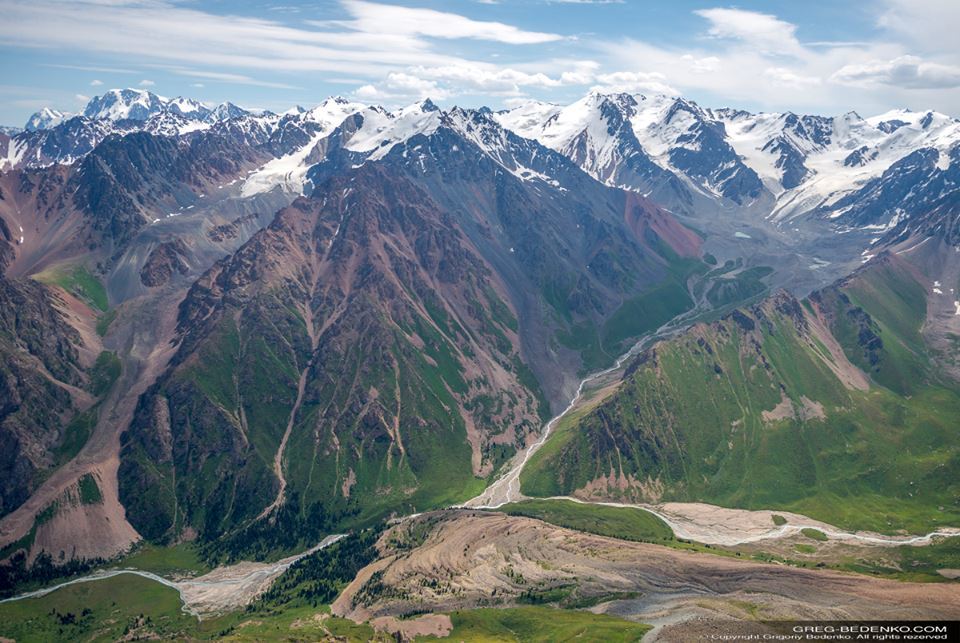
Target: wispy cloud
[
  {"x": 234, "y": 79},
  {"x": 584, "y": 1},
  {"x": 761, "y": 31},
  {"x": 635, "y": 82},
  {"x": 383, "y": 51},
  {"x": 105, "y": 70},
  {"x": 375, "y": 18},
  {"x": 374, "y": 39},
  {"x": 757, "y": 58},
  {"x": 401, "y": 86},
  {"x": 904, "y": 71}
]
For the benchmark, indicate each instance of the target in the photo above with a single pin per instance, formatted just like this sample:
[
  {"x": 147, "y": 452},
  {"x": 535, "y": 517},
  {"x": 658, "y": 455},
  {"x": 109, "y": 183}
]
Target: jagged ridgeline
[
  {"x": 835, "y": 407},
  {"x": 386, "y": 344}
]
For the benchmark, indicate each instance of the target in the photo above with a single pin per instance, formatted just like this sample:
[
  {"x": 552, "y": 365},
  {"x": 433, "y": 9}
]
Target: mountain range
[
  {"x": 247, "y": 331},
  {"x": 853, "y": 172}
]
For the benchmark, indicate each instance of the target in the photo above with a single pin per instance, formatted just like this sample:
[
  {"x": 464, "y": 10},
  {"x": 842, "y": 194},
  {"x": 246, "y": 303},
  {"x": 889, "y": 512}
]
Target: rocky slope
[
  {"x": 369, "y": 351},
  {"x": 48, "y": 379}
]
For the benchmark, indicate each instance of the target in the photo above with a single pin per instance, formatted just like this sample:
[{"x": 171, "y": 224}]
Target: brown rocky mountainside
[{"x": 368, "y": 352}]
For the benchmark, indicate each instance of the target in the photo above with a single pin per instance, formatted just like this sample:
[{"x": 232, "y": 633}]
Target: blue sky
[{"x": 812, "y": 56}]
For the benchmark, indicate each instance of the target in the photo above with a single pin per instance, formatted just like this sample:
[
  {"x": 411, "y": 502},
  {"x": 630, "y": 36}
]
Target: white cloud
[
  {"x": 226, "y": 77},
  {"x": 755, "y": 60},
  {"x": 635, "y": 82},
  {"x": 375, "y": 40},
  {"x": 927, "y": 25},
  {"x": 517, "y": 101},
  {"x": 764, "y": 32},
  {"x": 786, "y": 78},
  {"x": 580, "y": 72},
  {"x": 82, "y": 98},
  {"x": 146, "y": 83},
  {"x": 905, "y": 71},
  {"x": 375, "y": 18},
  {"x": 486, "y": 80},
  {"x": 446, "y": 81},
  {"x": 106, "y": 70},
  {"x": 742, "y": 58},
  {"x": 705, "y": 65},
  {"x": 402, "y": 86},
  {"x": 197, "y": 85},
  {"x": 96, "y": 83}
]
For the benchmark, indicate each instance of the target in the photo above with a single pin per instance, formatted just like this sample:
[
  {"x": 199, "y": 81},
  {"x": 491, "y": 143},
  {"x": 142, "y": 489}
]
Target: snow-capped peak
[
  {"x": 45, "y": 119},
  {"x": 527, "y": 119},
  {"x": 188, "y": 107},
  {"x": 331, "y": 112},
  {"x": 225, "y": 111},
  {"x": 381, "y": 130},
  {"x": 122, "y": 104},
  {"x": 289, "y": 171}
]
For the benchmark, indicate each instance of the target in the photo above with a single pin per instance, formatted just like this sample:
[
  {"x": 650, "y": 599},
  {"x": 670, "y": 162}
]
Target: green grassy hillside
[
  {"x": 756, "y": 411},
  {"x": 615, "y": 522},
  {"x": 129, "y": 607}
]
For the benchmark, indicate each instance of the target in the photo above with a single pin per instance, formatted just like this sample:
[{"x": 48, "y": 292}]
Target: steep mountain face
[
  {"x": 356, "y": 356},
  {"x": 852, "y": 171},
  {"x": 835, "y": 406},
  {"x": 371, "y": 350},
  {"x": 597, "y": 135},
  {"x": 64, "y": 143},
  {"x": 47, "y": 381},
  {"x": 565, "y": 239},
  {"x": 124, "y": 104},
  {"x": 643, "y": 143},
  {"x": 128, "y": 182},
  {"x": 847, "y": 169},
  {"x": 907, "y": 189},
  {"x": 54, "y": 137},
  {"x": 777, "y": 145},
  {"x": 40, "y": 380},
  {"x": 95, "y": 206},
  {"x": 66, "y": 229},
  {"x": 940, "y": 220},
  {"x": 686, "y": 157}
]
